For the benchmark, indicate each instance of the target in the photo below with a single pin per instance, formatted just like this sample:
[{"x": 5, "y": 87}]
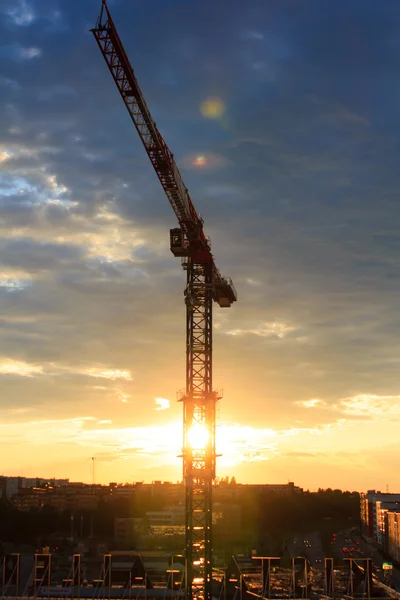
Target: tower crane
[{"x": 204, "y": 284}]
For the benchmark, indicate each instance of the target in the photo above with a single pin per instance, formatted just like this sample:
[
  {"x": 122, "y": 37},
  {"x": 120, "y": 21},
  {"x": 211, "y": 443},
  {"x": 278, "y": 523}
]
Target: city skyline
[{"x": 284, "y": 120}]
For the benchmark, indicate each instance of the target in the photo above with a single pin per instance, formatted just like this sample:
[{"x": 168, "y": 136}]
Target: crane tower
[{"x": 204, "y": 284}]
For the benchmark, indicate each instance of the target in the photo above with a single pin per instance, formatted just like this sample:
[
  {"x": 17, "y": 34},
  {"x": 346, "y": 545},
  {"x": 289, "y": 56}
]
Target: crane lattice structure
[{"x": 204, "y": 285}]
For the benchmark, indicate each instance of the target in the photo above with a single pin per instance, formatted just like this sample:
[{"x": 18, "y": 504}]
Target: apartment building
[
  {"x": 393, "y": 534},
  {"x": 368, "y": 511}
]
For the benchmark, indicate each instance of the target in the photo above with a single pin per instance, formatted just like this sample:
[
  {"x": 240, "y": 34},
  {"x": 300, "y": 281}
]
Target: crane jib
[{"x": 160, "y": 155}]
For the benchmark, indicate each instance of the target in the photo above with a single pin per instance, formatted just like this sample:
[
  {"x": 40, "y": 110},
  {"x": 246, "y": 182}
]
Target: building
[
  {"x": 382, "y": 509},
  {"x": 12, "y": 486},
  {"x": 284, "y": 489},
  {"x": 281, "y": 489},
  {"x": 127, "y": 530},
  {"x": 168, "y": 517},
  {"x": 393, "y": 534},
  {"x": 368, "y": 513}
]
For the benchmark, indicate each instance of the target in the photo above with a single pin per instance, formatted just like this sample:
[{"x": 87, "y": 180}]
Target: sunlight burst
[{"x": 198, "y": 436}]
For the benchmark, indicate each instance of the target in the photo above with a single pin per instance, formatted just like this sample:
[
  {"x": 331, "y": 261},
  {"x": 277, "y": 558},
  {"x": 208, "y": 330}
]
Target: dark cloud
[{"x": 34, "y": 256}]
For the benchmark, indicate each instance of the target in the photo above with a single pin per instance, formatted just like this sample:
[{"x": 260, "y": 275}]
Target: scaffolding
[{"x": 245, "y": 578}]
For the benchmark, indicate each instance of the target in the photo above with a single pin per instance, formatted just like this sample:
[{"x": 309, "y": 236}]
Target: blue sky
[{"x": 297, "y": 180}]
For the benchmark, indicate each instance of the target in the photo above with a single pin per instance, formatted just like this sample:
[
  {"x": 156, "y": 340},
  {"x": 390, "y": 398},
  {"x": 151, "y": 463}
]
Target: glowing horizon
[
  {"x": 285, "y": 170},
  {"x": 155, "y": 449}
]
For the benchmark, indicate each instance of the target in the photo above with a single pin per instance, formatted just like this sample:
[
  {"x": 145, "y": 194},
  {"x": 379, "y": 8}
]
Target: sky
[{"x": 284, "y": 118}]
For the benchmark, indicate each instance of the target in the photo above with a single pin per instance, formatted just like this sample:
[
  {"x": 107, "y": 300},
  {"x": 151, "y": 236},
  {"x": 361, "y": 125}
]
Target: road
[{"x": 351, "y": 544}]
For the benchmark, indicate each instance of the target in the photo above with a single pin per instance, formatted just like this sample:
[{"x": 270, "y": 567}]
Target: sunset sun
[{"x": 198, "y": 436}]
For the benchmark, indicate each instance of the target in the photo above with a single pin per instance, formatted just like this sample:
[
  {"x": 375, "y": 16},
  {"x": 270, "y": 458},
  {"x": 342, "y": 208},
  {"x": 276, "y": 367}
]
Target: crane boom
[
  {"x": 161, "y": 157},
  {"x": 204, "y": 284}
]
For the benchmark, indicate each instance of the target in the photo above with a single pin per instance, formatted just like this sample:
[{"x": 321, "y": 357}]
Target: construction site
[
  {"x": 191, "y": 573},
  {"x": 131, "y": 575}
]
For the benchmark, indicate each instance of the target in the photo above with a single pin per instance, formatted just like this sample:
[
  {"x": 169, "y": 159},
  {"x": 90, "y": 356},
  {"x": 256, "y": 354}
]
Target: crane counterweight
[
  {"x": 204, "y": 284},
  {"x": 224, "y": 292}
]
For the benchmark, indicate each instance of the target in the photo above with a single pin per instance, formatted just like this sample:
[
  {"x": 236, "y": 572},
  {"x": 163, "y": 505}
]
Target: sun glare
[{"x": 198, "y": 436}]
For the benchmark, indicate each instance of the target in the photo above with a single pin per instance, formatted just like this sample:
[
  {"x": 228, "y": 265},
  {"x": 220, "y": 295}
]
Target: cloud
[
  {"x": 123, "y": 397},
  {"x": 29, "y": 53},
  {"x": 20, "y": 368},
  {"x": 239, "y": 444},
  {"x": 4, "y": 156},
  {"x": 311, "y": 403},
  {"x": 24, "y": 369},
  {"x": 274, "y": 329},
  {"x": 14, "y": 279},
  {"x": 162, "y": 404},
  {"x": 338, "y": 110},
  {"x": 17, "y": 52},
  {"x": 112, "y": 374},
  {"x": 369, "y": 406},
  {"x": 20, "y": 12}
]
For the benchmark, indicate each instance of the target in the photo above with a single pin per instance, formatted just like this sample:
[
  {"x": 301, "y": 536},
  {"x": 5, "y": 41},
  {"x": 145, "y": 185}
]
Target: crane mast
[{"x": 204, "y": 284}]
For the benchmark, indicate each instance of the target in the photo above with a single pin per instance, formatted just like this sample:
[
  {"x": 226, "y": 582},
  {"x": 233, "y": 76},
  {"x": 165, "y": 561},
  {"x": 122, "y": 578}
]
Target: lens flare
[
  {"x": 212, "y": 108},
  {"x": 203, "y": 161},
  {"x": 198, "y": 436},
  {"x": 200, "y": 161}
]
